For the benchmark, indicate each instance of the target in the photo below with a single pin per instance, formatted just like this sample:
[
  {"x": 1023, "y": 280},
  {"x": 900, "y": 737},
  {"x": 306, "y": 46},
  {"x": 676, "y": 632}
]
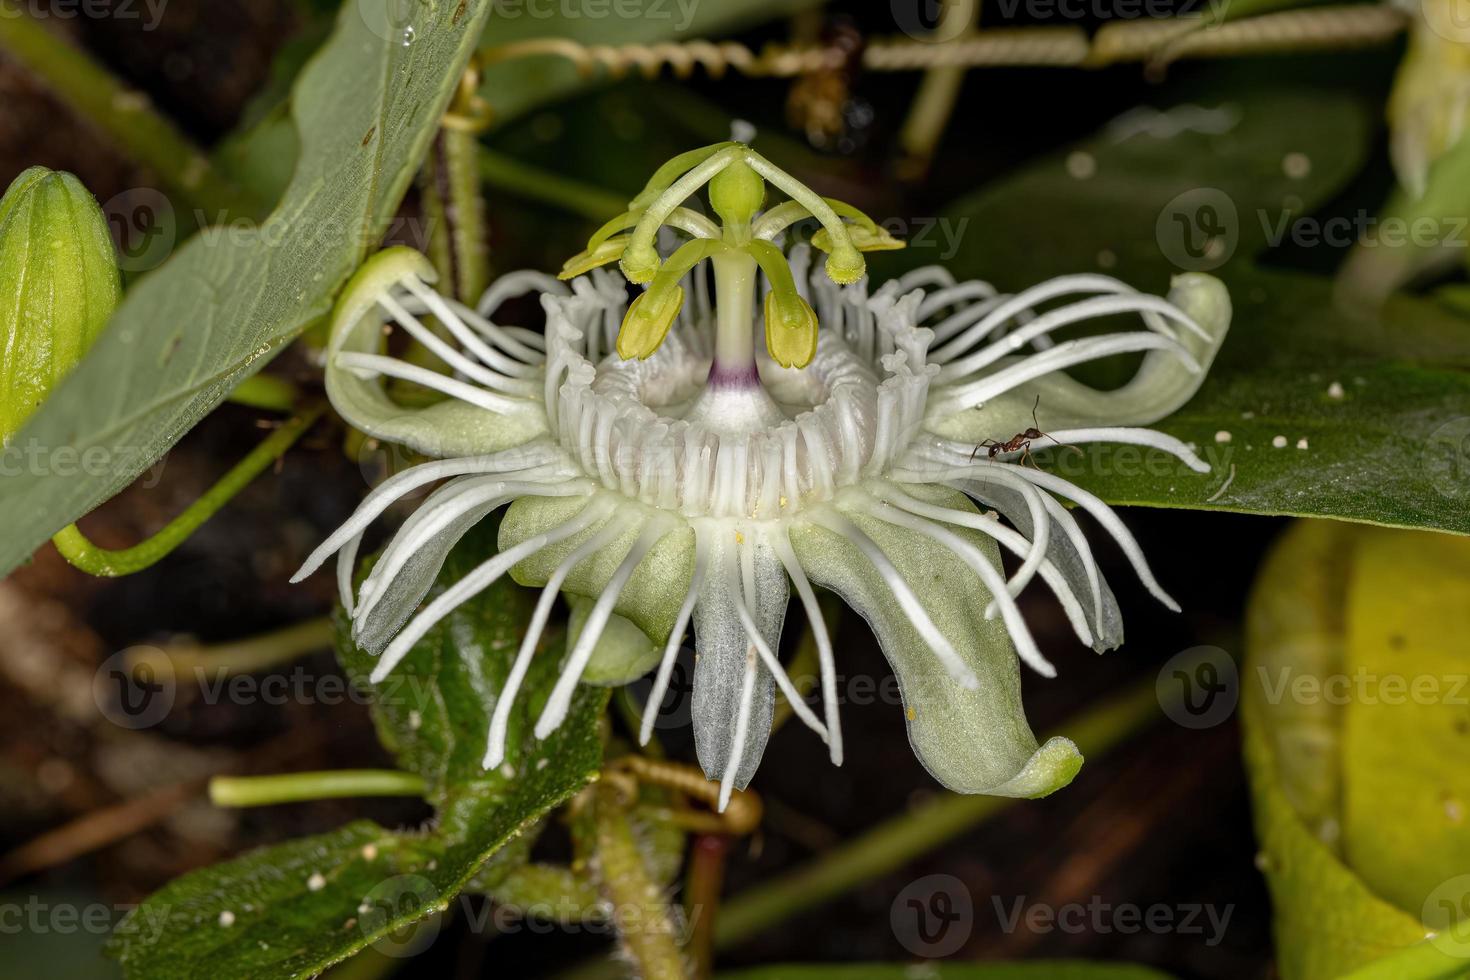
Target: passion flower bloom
[{"x": 662, "y": 469}]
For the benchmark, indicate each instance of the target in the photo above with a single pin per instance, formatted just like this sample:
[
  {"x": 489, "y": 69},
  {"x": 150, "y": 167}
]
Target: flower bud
[{"x": 58, "y": 286}]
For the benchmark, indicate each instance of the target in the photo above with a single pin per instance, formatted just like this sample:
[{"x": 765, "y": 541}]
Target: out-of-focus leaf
[
  {"x": 1204, "y": 186},
  {"x": 1321, "y": 415},
  {"x": 1034, "y": 970},
  {"x": 1331, "y": 633},
  {"x": 187, "y": 333},
  {"x": 1316, "y": 411},
  {"x": 296, "y": 908}
]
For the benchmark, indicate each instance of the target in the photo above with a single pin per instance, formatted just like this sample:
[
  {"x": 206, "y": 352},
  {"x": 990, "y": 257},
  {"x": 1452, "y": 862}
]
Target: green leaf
[
  {"x": 268, "y": 914},
  {"x": 1386, "y": 451},
  {"x": 365, "y": 109},
  {"x": 1149, "y": 204},
  {"x": 1033, "y": 970},
  {"x": 1358, "y": 786},
  {"x": 1325, "y": 416}
]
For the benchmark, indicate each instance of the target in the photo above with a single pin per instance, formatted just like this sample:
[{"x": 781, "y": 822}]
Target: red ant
[{"x": 1020, "y": 442}]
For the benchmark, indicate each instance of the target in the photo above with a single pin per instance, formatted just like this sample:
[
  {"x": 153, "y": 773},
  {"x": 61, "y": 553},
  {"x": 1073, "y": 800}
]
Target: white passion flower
[{"x": 662, "y": 470}]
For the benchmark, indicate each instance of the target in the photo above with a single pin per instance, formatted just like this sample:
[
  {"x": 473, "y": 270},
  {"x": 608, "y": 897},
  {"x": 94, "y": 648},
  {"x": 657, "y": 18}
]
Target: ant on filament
[{"x": 1020, "y": 442}]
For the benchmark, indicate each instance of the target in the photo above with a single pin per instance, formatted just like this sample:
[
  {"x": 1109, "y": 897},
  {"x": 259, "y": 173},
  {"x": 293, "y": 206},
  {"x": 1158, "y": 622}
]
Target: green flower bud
[
  {"x": 59, "y": 282},
  {"x": 737, "y": 193}
]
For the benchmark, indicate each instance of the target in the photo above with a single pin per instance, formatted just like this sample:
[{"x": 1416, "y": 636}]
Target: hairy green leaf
[{"x": 293, "y": 909}]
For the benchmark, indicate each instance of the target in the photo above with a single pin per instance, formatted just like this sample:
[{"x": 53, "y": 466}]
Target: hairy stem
[{"x": 645, "y": 921}]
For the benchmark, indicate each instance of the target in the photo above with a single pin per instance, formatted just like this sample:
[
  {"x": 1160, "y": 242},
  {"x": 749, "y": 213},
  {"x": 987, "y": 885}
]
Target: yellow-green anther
[
  {"x": 737, "y": 193},
  {"x": 791, "y": 329},
  {"x": 671, "y": 171},
  {"x": 648, "y": 319},
  {"x": 608, "y": 251},
  {"x": 791, "y": 323},
  {"x": 877, "y": 240},
  {"x": 844, "y": 264},
  {"x": 59, "y": 283}
]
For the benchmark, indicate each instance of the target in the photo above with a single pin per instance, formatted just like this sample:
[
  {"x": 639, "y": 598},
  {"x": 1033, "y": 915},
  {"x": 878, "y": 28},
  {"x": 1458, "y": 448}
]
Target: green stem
[
  {"x": 894, "y": 843},
  {"x": 459, "y": 243},
  {"x": 251, "y": 654},
  {"x": 643, "y": 916},
  {"x": 523, "y": 180},
  {"x": 297, "y": 787},
  {"x": 124, "y": 114},
  {"x": 266, "y": 392},
  {"x": 77, "y": 549}
]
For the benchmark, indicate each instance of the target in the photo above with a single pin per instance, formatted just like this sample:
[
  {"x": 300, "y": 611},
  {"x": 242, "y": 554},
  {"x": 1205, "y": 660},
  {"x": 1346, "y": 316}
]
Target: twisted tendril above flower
[{"x": 660, "y": 469}]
